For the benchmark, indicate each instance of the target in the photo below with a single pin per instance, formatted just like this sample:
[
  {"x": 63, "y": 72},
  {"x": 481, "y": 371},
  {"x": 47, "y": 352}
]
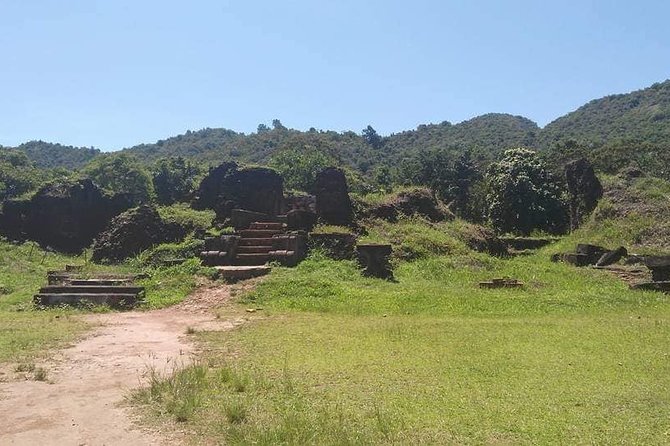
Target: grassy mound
[{"x": 633, "y": 213}]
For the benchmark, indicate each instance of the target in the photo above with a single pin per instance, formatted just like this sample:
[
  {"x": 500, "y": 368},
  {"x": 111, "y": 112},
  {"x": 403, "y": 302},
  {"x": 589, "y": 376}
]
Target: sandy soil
[{"x": 81, "y": 401}]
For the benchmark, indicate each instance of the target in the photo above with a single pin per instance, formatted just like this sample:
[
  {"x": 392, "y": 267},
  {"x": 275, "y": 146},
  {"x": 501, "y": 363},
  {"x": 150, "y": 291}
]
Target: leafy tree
[
  {"x": 277, "y": 125},
  {"x": 371, "y": 137},
  {"x": 383, "y": 178},
  {"x": 262, "y": 128},
  {"x": 464, "y": 176},
  {"x": 300, "y": 165},
  {"x": 524, "y": 196},
  {"x": 174, "y": 180},
  {"x": 18, "y": 175},
  {"x": 121, "y": 174}
]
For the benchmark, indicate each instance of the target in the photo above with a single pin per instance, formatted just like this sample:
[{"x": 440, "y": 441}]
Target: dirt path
[{"x": 79, "y": 404}]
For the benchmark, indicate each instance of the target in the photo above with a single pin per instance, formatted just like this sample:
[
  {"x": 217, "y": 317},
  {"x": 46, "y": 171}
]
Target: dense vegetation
[
  {"x": 48, "y": 155},
  {"x": 615, "y": 131}
]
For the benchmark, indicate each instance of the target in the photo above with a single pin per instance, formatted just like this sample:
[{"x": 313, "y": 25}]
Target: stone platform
[{"x": 242, "y": 272}]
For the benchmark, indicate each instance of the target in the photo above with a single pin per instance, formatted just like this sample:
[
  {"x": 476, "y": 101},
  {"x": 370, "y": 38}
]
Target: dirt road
[{"x": 80, "y": 402}]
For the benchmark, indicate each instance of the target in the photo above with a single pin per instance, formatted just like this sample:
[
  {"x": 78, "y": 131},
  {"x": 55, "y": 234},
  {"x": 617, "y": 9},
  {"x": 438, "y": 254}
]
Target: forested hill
[
  {"x": 48, "y": 155},
  {"x": 640, "y": 116},
  {"x": 488, "y": 135},
  {"x": 215, "y": 145},
  {"x": 614, "y": 131}
]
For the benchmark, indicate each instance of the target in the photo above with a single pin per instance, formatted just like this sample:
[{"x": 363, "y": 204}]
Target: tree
[
  {"x": 174, "y": 180},
  {"x": 300, "y": 165},
  {"x": 18, "y": 175},
  {"x": 524, "y": 196},
  {"x": 277, "y": 125},
  {"x": 371, "y": 137},
  {"x": 464, "y": 176},
  {"x": 262, "y": 128},
  {"x": 121, "y": 174},
  {"x": 383, "y": 178}
]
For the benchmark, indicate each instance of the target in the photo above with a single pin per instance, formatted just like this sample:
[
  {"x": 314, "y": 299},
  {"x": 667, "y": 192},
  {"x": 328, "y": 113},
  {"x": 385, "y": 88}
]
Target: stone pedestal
[
  {"x": 375, "y": 260},
  {"x": 659, "y": 266},
  {"x": 333, "y": 205}
]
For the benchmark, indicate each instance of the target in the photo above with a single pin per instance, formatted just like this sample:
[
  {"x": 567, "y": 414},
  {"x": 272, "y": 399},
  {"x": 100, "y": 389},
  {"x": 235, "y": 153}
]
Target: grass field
[
  {"x": 26, "y": 332},
  {"x": 573, "y": 358}
]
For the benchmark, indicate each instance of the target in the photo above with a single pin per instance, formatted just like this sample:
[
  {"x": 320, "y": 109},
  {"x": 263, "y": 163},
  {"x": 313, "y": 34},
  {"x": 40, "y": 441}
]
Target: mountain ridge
[{"x": 617, "y": 120}]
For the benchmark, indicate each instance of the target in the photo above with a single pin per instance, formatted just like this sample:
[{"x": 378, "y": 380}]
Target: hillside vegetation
[
  {"x": 614, "y": 131},
  {"x": 48, "y": 155}
]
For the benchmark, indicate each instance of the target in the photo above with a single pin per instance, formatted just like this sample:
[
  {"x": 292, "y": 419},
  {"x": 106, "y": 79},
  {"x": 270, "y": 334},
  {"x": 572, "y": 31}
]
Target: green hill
[
  {"x": 488, "y": 135},
  {"x": 640, "y": 116},
  {"x": 216, "y": 145},
  {"x": 49, "y": 155},
  {"x": 615, "y": 131}
]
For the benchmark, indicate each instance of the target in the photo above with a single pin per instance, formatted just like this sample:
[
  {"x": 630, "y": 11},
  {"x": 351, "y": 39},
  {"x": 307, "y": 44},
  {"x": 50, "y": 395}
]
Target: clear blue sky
[{"x": 116, "y": 73}]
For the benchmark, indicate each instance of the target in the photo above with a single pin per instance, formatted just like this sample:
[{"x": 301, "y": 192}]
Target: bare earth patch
[{"x": 78, "y": 402}]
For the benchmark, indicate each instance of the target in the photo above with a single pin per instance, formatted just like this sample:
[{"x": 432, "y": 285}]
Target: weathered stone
[
  {"x": 333, "y": 205},
  {"x": 418, "y": 201},
  {"x": 576, "y": 259},
  {"x": 339, "y": 246},
  {"x": 128, "y": 234},
  {"x": 298, "y": 219},
  {"x": 289, "y": 249},
  {"x": 659, "y": 266},
  {"x": 584, "y": 188},
  {"x": 593, "y": 253},
  {"x": 210, "y": 188},
  {"x": 65, "y": 216},
  {"x": 502, "y": 282},
  {"x": 302, "y": 202},
  {"x": 483, "y": 239},
  {"x": 242, "y": 219},
  {"x": 220, "y": 250},
  {"x": 612, "y": 257},
  {"x": 255, "y": 189},
  {"x": 235, "y": 273},
  {"x": 375, "y": 260}
]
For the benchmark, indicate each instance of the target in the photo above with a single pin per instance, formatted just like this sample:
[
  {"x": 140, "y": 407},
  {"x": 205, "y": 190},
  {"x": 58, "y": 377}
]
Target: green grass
[
  {"x": 447, "y": 285},
  {"x": 24, "y": 331},
  {"x": 184, "y": 215},
  {"x": 574, "y": 358},
  {"x": 27, "y": 332},
  {"x": 637, "y": 221}
]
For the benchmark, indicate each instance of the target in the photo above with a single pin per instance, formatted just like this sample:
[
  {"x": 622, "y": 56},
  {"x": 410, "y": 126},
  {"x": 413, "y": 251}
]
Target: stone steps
[
  {"x": 114, "y": 300},
  {"x": 260, "y": 249},
  {"x": 251, "y": 241},
  {"x": 68, "y": 288},
  {"x": 279, "y": 227},
  {"x": 91, "y": 289},
  {"x": 252, "y": 259},
  {"x": 256, "y": 243},
  {"x": 99, "y": 282},
  {"x": 242, "y": 272},
  {"x": 259, "y": 233}
]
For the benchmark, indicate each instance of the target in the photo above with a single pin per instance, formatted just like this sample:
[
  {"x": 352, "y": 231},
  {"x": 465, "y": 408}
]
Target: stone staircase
[
  {"x": 256, "y": 243},
  {"x": 66, "y": 289}
]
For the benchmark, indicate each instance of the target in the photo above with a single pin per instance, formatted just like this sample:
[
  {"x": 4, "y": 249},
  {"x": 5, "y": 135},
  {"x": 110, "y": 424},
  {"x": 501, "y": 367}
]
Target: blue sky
[{"x": 116, "y": 73}]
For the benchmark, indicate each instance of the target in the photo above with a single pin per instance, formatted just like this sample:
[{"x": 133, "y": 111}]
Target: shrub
[{"x": 524, "y": 196}]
